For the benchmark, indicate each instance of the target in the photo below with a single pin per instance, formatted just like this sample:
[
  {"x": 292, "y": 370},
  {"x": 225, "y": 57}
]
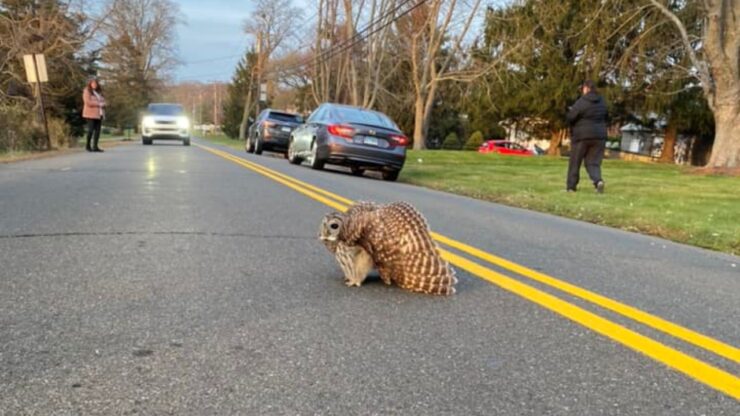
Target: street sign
[
  {"x": 263, "y": 92},
  {"x": 33, "y": 67}
]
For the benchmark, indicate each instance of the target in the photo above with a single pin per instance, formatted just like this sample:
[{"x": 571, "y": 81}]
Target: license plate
[
  {"x": 371, "y": 141},
  {"x": 286, "y": 129}
]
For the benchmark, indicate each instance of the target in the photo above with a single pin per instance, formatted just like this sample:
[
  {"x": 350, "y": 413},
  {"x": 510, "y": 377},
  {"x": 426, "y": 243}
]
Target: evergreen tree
[{"x": 240, "y": 85}]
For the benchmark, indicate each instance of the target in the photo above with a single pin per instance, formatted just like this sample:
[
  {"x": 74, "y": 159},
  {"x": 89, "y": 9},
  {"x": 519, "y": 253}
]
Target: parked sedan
[
  {"x": 271, "y": 131},
  {"x": 165, "y": 121},
  {"x": 356, "y": 137},
  {"x": 504, "y": 147}
]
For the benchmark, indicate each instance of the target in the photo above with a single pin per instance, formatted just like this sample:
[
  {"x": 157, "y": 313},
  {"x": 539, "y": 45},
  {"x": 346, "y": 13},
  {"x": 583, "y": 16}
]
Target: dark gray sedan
[
  {"x": 356, "y": 137},
  {"x": 271, "y": 131}
]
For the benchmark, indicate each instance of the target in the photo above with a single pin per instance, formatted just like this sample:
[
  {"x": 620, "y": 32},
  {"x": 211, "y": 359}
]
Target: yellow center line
[
  {"x": 699, "y": 370},
  {"x": 703, "y": 372},
  {"x": 710, "y": 344}
]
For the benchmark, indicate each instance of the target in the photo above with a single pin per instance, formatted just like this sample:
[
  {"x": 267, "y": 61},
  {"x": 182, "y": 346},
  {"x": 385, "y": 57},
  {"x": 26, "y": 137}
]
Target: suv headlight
[
  {"x": 147, "y": 121},
  {"x": 183, "y": 123}
]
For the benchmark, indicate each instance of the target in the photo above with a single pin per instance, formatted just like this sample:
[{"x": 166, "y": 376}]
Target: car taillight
[
  {"x": 400, "y": 140},
  {"x": 340, "y": 130}
]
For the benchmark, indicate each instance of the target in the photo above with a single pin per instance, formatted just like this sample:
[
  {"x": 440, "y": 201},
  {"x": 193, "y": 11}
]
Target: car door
[
  {"x": 308, "y": 129},
  {"x": 258, "y": 123},
  {"x": 506, "y": 149},
  {"x": 518, "y": 149},
  {"x": 299, "y": 135}
]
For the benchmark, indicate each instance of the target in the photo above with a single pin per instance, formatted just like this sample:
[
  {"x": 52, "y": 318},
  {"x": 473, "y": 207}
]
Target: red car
[{"x": 504, "y": 147}]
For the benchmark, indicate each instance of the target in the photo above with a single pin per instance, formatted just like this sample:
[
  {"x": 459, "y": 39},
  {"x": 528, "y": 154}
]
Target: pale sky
[{"x": 211, "y": 41}]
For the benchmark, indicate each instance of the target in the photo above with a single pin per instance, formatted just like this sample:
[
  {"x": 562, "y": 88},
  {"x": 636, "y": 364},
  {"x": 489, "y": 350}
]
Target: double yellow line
[{"x": 699, "y": 370}]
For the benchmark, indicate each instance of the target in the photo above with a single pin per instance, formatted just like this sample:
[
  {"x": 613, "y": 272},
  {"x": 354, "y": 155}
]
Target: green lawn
[
  {"x": 224, "y": 140},
  {"x": 664, "y": 200}
]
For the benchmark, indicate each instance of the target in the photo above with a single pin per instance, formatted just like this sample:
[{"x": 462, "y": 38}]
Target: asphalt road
[{"x": 165, "y": 279}]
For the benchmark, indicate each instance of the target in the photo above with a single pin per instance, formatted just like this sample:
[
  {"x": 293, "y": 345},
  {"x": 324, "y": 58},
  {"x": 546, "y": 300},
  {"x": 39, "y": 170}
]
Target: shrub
[
  {"x": 19, "y": 132},
  {"x": 59, "y": 133},
  {"x": 451, "y": 142},
  {"x": 474, "y": 142}
]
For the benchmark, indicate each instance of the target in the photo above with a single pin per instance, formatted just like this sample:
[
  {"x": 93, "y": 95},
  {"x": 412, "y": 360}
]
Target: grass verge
[
  {"x": 18, "y": 156},
  {"x": 224, "y": 140},
  {"x": 668, "y": 201}
]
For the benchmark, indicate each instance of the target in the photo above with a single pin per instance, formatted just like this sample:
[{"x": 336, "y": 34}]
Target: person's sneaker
[
  {"x": 600, "y": 187},
  {"x": 570, "y": 191}
]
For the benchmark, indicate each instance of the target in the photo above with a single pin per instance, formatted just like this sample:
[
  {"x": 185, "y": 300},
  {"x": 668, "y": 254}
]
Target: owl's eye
[{"x": 334, "y": 226}]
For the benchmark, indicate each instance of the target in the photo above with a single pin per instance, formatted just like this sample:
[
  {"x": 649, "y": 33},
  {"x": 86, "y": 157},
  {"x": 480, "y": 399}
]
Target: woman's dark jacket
[{"x": 588, "y": 118}]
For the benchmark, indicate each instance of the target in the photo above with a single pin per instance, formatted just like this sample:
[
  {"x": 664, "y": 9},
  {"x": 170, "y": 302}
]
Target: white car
[{"x": 164, "y": 121}]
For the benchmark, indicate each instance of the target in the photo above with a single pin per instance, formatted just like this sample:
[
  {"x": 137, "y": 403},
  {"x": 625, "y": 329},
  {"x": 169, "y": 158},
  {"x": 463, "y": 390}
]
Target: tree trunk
[
  {"x": 245, "y": 114},
  {"x": 668, "y": 155},
  {"x": 419, "y": 130},
  {"x": 726, "y": 148},
  {"x": 556, "y": 138}
]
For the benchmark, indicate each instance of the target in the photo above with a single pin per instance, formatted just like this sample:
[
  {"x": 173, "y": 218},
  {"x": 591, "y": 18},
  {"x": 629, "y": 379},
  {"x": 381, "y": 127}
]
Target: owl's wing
[{"x": 426, "y": 272}]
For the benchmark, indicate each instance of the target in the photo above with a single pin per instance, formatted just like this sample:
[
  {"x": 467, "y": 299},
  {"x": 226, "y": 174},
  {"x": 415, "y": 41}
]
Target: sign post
[{"x": 36, "y": 74}]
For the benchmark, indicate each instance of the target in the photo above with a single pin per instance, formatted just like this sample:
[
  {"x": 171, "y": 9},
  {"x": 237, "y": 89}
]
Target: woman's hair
[
  {"x": 89, "y": 87},
  {"x": 590, "y": 84}
]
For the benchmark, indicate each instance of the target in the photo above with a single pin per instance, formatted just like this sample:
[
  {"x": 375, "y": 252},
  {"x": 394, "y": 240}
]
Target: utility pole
[
  {"x": 38, "y": 83},
  {"x": 259, "y": 73},
  {"x": 215, "y": 101}
]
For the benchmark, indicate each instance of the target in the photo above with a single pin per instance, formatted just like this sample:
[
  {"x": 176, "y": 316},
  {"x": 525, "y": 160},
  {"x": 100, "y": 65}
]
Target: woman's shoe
[{"x": 97, "y": 149}]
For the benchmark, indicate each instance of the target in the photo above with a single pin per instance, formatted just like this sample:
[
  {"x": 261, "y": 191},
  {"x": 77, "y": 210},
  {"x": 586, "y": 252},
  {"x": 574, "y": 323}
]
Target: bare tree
[
  {"x": 139, "y": 53},
  {"x": 351, "y": 49},
  {"x": 436, "y": 34},
  {"x": 271, "y": 24},
  {"x": 717, "y": 67}
]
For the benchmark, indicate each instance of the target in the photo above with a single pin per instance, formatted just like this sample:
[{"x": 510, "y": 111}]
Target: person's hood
[{"x": 593, "y": 97}]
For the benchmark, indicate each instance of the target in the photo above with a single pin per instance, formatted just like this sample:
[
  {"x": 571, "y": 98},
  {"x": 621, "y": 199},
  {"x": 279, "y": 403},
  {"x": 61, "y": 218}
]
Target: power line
[
  {"x": 357, "y": 38},
  {"x": 344, "y": 45}
]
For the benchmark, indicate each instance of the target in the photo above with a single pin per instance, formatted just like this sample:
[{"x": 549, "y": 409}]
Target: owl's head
[{"x": 330, "y": 228}]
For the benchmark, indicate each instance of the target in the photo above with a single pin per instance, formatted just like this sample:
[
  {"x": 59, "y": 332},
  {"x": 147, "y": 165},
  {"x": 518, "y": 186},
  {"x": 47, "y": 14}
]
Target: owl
[{"x": 392, "y": 238}]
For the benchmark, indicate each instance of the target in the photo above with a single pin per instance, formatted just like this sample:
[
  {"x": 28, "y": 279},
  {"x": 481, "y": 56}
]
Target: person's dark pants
[
  {"x": 592, "y": 151},
  {"x": 93, "y": 132}
]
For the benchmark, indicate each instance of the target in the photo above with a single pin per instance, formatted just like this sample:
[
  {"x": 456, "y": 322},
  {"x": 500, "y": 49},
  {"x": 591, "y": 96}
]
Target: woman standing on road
[{"x": 93, "y": 112}]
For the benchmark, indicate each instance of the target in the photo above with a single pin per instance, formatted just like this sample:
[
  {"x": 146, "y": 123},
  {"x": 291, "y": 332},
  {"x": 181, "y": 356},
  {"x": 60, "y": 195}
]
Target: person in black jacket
[{"x": 588, "y": 120}]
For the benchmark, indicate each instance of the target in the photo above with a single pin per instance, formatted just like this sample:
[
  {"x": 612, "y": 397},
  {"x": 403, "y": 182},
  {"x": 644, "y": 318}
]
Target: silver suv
[{"x": 164, "y": 121}]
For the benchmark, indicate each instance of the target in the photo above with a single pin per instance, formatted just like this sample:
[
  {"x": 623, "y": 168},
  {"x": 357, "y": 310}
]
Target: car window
[
  {"x": 316, "y": 115},
  {"x": 516, "y": 146},
  {"x": 165, "y": 109},
  {"x": 287, "y": 117},
  {"x": 360, "y": 116}
]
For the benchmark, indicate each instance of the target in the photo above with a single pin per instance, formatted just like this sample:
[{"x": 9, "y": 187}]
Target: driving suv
[
  {"x": 165, "y": 121},
  {"x": 271, "y": 131}
]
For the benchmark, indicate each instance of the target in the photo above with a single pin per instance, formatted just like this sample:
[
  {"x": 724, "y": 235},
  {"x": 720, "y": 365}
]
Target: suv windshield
[
  {"x": 290, "y": 118},
  {"x": 356, "y": 115},
  {"x": 165, "y": 109}
]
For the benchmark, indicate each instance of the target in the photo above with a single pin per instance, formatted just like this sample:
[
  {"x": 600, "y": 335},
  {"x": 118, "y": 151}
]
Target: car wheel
[
  {"x": 357, "y": 171},
  {"x": 186, "y": 142},
  {"x": 146, "y": 141},
  {"x": 292, "y": 157},
  {"x": 248, "y": 146},
  {"x": 390, "y": 175},
  {"x": 258, "y": 145},
  {"x": 315, "y": 162}
]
